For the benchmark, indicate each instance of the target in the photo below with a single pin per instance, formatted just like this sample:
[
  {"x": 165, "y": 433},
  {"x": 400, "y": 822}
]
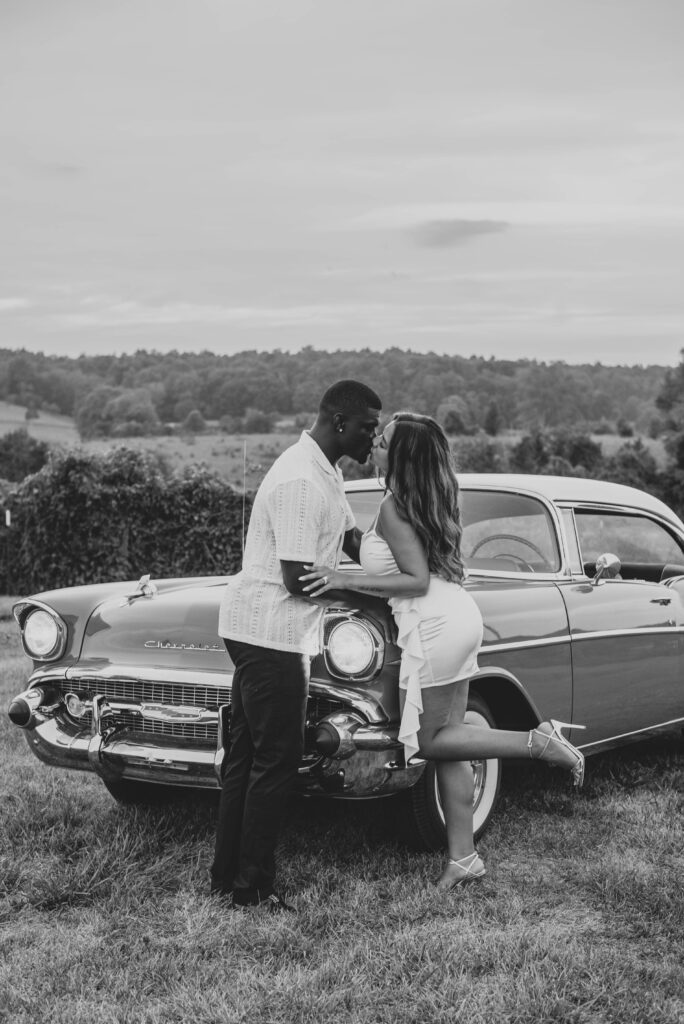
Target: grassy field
[
  {"x": 105, "y": 918},
  {"x": 48, "y": 427},
  {"x": 236, "y": 458}
]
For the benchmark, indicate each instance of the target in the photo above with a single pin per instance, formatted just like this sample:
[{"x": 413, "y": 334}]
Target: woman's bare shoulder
[{"x": 390, "y": 519}]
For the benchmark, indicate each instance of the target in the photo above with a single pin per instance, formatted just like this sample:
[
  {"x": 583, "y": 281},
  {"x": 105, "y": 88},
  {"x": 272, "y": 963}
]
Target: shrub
[
  {"x": 230, "y": 424},
  {"x": 90, "y": 518},
  {"x": 258, "y": 422}
]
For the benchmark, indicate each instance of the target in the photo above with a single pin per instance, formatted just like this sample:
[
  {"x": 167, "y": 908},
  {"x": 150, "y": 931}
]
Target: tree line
[{"x": 146, "y": 392}]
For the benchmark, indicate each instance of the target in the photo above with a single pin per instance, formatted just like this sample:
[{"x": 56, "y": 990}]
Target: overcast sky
[{"x": 494, "y": 177}]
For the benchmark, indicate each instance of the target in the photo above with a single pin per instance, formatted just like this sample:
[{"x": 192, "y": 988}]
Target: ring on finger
[{"x": 325, "y": 581}]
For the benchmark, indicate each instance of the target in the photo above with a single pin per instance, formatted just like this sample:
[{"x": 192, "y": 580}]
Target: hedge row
[{"x": 92, "y": 518}]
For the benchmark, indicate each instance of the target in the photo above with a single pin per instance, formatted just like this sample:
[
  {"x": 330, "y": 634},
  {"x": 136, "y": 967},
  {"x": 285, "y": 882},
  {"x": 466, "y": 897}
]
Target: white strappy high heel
[
  {"x": 467, "y": 865},
  {"x": 576, "y": 769}
]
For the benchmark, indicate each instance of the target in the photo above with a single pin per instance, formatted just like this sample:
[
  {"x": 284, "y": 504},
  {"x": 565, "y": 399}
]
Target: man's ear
[{"x": 338, "y": 422}]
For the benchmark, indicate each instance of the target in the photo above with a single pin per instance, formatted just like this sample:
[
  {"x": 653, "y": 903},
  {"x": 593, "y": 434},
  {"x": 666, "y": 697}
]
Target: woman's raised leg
[{"x": 442, "y": 707}]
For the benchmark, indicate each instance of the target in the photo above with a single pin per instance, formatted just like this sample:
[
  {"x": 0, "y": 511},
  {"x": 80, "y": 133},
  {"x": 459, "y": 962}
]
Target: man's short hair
[{"x": 349, "y": 396}]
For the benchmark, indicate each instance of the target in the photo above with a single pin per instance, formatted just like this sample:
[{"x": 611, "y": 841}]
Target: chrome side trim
[
  {"x": 602, "y": 634},
  {"x": 529, "y": 577},
  {"x": 515, "y": 645},
  {"x": 657, "y": 727}
]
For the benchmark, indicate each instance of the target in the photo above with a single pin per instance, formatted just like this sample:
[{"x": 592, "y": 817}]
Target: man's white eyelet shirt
[{"x": 300, "y": 514}]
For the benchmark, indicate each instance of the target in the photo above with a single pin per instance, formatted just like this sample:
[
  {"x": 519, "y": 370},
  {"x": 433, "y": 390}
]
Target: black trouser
[{"x": 268, "y": 713}]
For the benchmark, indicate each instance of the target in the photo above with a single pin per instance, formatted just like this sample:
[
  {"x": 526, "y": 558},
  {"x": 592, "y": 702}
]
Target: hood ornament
[{"x": 144, "y": 588}]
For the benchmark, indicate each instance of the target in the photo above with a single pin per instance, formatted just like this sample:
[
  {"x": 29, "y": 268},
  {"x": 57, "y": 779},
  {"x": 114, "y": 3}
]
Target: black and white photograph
[{"x": 342, "y": 525}]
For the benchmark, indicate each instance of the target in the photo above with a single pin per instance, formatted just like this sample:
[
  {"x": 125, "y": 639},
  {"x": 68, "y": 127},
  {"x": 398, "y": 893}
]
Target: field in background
[
  {"x": 232, "y": 457},
  {"x": 235, "y": 458},
  {"x": 105, "y": 918},
  {"x": 48, "y": 427}
]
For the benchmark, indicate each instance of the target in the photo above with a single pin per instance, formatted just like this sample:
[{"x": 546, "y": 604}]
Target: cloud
[
  {"x": 561, "y": 214},
  {"x": 122, "y": 314},
  {"x": 441, "y": 234},
  {"x": 8, "y": 305}
]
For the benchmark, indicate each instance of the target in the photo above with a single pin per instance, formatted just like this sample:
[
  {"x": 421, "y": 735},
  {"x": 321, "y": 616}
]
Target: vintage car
[{"x": 581, "y": 587}]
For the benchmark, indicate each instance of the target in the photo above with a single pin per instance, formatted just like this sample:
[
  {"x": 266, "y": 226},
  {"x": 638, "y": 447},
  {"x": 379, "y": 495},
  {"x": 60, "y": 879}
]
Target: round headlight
[
  {"x": 351, "y": 650},
  {"x": 42, "y": 634}
]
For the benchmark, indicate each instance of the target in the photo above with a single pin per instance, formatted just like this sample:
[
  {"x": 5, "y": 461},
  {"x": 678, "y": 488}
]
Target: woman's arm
[{"x": 413, "y": 577}]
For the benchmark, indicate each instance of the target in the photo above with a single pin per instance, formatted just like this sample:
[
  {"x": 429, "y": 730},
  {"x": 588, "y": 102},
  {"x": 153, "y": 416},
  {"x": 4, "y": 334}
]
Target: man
[{"x": 270, "y": 628}]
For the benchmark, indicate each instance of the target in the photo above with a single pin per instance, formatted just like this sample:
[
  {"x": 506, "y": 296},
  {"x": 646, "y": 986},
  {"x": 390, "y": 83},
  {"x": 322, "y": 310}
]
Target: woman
[{"x": 412, "y": 556}]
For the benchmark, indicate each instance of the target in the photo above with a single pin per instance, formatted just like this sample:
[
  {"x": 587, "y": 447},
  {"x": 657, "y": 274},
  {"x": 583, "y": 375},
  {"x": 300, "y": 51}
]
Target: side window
[
  {"x": 507, "y": 533},
  {"x": 643, "y": 546}
]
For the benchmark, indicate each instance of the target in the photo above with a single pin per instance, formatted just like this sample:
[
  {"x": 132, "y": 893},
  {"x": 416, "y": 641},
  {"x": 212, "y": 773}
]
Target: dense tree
[
  {"x": 132, "y": 414},
  {"x": 194, "y": 422},
  {"x": 90, "y": 413},
  {"x": 455, "y": 415},
  {"x": 634, "y": 464},
  {"x": 116, "y": 412},
  {"x": 21, "y": 455},
  {"x": 557, "y": 453},
  {"x": 525, "y": 393},
  {"x": 493, "y": 419},
  {"x": 670, "y": 402}
]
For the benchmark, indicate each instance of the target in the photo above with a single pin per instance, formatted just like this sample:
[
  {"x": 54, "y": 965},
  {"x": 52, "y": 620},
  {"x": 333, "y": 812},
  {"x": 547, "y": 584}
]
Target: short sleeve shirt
[{"x": 300, "y": 514}]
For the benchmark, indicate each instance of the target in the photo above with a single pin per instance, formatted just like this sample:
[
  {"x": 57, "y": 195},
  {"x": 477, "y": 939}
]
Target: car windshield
[{"x": 502, "y": 532}]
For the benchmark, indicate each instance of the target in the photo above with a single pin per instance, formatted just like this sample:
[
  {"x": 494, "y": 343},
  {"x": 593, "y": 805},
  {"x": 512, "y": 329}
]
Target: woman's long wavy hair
[{"x": 422, "y": 479}]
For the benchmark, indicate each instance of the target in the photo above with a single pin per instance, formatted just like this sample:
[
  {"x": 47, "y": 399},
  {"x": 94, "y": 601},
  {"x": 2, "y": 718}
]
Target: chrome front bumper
[{"x": 357, "y": 759}]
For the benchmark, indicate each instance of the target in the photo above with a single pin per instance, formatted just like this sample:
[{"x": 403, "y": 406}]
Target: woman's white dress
[{"x": 439, "y": 633}]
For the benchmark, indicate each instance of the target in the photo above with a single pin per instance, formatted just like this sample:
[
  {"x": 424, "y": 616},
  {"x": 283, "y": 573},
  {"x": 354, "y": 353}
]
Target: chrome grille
[
  {"x": 318, "y": 707},
  {"x": 145, "y": 691},
  {"x": 203, "y": 733}
]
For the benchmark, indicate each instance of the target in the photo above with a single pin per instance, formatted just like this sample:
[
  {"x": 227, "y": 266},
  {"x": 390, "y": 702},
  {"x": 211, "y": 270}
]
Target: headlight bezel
[
  {"x": 366, "y": 632},
  {"x": 24, "y": 611}
]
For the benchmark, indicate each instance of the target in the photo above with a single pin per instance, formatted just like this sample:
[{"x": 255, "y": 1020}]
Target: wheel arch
[{"x": 507, "y": 700}]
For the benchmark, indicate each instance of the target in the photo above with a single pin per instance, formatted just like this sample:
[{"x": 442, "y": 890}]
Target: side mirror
[{"x": 607, "y": 568}]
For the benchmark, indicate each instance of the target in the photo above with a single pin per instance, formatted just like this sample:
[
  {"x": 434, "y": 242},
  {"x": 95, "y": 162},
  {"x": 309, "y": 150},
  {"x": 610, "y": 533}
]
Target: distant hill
[{"x": 143, "y": 393}]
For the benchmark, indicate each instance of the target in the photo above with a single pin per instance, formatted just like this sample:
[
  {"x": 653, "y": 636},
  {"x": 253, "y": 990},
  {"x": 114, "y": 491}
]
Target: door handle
[{"x": 661, "y": 600}]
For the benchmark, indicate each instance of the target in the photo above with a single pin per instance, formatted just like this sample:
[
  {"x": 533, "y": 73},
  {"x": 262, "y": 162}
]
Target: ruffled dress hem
[{"x": 412, "y": 661}]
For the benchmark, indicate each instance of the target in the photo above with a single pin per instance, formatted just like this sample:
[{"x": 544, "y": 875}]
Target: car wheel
[
  {"x": 423, "y": 819},
  {"x": 130, "y": 792}
]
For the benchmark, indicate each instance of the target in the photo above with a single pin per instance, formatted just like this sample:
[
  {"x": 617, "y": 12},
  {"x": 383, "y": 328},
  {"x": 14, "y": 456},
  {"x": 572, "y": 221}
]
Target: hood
[{"x": 174, "y": 629}]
